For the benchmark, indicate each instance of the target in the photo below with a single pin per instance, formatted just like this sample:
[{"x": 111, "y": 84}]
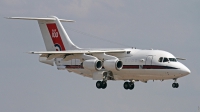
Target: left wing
[{"x": 63, "y": 54}]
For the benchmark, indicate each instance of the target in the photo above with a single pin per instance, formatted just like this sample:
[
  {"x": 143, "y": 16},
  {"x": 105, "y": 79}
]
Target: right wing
[{"x": 180, "y": 58}]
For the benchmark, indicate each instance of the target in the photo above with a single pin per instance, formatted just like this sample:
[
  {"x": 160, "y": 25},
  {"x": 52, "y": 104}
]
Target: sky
[{"x": 28, "y": 85}]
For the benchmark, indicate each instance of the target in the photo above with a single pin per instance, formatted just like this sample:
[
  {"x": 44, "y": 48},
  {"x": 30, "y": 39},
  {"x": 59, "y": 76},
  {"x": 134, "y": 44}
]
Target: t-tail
[{"x": 53, "y": 33}]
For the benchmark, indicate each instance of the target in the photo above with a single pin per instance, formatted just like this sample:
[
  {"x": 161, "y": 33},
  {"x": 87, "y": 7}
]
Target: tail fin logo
[
  {"x": 54, "y": 33},
  {"x": 58, "y": 48},
  {"x": 56, "y": 37}
]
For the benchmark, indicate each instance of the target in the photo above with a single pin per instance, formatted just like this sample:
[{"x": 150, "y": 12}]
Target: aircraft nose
[{"x": 185, "y": 70}]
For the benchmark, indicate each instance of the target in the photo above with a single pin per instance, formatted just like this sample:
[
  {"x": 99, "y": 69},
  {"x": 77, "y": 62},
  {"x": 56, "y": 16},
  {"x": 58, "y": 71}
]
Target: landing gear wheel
[
  {"x": 175, "y": 85},
  {"x": 104, "y": 84},
  {"x": 126, "y": 85},
  {"x": 101, "y": 84},
  {"x": 98, "y": 84},
  {"x": 131, "y": 85}
]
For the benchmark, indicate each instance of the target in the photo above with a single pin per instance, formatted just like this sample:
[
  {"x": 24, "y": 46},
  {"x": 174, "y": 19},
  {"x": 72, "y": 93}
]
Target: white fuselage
[{"x": 138, "y": 64}]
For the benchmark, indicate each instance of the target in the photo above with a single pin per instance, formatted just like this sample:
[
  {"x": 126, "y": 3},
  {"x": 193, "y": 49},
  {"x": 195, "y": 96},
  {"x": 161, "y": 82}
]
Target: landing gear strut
[
  {"x": 129, "y": 85},
  {"x": 101, "y": 84},
  {"x": 175, "y": 84}
]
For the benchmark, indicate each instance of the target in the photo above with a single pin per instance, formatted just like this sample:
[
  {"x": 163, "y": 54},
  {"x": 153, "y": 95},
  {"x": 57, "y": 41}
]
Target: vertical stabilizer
[
  {"x": 53, "y": 33},
  {"x": 55, "y": 36}
]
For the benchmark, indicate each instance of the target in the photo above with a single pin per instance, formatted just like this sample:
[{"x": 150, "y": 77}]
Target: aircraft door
[{"x": 149, "y": 60}]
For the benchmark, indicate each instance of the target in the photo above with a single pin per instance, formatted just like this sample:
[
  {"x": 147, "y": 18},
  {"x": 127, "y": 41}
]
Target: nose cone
[{"x": 185, "y": 70}]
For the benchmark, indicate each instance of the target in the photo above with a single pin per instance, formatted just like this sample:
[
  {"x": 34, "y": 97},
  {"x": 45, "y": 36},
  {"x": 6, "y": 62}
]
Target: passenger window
[
  {"x": 128, "y": 52},
  {"x": 160, "y": 59},
  {"x": 165, "y": 60}
]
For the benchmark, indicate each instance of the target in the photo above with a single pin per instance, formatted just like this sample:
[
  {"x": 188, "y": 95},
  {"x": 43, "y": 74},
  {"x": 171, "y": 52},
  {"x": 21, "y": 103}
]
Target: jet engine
[
  {"x": 92, "y": 64},
  {"x": 113, "y": 64}
]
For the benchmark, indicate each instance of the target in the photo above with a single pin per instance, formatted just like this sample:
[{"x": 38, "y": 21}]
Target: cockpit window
[
  {"x": 172, "y": 60},
  {"x": 165, "y": 60},
  {"x": 160, "y": 59}
]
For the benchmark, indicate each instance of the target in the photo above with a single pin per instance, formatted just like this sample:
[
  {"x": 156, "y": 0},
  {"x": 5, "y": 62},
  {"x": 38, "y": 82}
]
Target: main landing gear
[
  {"x": 101, "y": 84},
  {"x": 129, "y": 85},
  {"x": 175, "y": 84}
]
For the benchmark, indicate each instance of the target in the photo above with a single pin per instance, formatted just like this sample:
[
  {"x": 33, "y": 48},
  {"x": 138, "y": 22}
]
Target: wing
[
  {"x": 64, "y": 54},
  {"x": 180, "y": 58}
]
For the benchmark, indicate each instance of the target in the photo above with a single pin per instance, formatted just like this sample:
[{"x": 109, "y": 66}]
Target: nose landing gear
[
  {"x": 129, "y": 85},
  {"x": 175, "y": 84}
]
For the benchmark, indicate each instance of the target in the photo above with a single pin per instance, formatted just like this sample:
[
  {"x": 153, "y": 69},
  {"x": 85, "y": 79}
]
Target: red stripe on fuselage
[
  {"x": 127, "y": 67},
  {"x": 130, "y": 67},
  {"x": 74, "y": 66},
  {"x": 55, "y": 35}
]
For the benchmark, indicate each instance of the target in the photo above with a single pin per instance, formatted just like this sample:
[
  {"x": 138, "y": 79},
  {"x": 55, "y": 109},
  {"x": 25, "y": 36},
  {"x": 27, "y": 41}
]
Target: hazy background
[{"x": 27, "y": 85}]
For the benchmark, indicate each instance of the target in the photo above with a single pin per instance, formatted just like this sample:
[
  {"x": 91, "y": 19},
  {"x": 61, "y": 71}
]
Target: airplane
[{"x": 127, "y": 64}]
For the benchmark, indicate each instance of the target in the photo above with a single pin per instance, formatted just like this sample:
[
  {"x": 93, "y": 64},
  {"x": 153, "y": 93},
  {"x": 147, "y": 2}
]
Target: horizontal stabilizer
[{"x": 34, "y": 18}]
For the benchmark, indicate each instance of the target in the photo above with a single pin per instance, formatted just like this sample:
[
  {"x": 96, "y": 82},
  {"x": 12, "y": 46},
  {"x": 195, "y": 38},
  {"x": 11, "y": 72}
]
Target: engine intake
[
  {"x": 92, "y": 64},
  {"x": 113, "y": 65}
]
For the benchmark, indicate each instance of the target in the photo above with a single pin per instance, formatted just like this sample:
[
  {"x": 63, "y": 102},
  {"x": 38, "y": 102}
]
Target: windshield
[
  {"x": 172, "y": 60},
  {"x": 160, "y": 59},
  {"x": 165, "y": 59}
]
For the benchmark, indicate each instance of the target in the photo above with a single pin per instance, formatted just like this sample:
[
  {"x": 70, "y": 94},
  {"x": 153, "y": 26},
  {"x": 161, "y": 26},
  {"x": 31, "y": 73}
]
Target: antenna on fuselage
[{"x": 97, "y": 37}]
